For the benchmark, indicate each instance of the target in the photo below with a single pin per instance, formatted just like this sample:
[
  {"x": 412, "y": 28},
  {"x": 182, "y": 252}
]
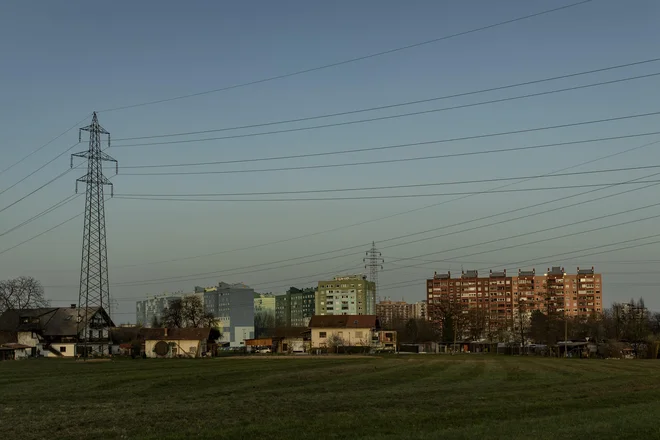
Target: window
[
  {"x": 62, "y": 349},
  {"x": 340, "y": 334},
  {"x": 358, "y": 334},
  {"x": 322, "y": 334}
]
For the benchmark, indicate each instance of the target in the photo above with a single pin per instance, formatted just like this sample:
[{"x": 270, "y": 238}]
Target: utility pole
[
  {"x": 374, "y": 262},
  {"x": 94, "y": 291}
]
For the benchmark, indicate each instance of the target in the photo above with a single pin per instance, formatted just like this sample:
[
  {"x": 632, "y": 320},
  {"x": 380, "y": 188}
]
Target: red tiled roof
[{"x": 343, "y": 321}]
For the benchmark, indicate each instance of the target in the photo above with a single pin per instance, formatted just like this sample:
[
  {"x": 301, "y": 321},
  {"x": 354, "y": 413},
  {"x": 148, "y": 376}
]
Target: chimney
[
  {"x": 165, "y": 331},
  {"x": 73, "y": 306}
]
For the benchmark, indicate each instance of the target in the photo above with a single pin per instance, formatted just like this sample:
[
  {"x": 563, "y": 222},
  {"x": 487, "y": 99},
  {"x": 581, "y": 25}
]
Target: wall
[
  {"x": 182, "y": 347},
  {"x": 351, "y": 336},
  {"x": 27, "y": 338},
  {"x": 240, "y": 334}
]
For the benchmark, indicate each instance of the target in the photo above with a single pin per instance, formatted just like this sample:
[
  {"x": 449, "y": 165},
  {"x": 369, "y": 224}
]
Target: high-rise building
[
  {"x": 264, "y": 303},
  {"x": 295, "y": 308},
  {"x": 346, "y": 295},
  {"x": 419, "y": 310},
  {"x": 233, "y": 306},
  {"x": 499, "y": 298},
  {"x": 393, "y": 312},
  {"x": 152, "y": 309}
]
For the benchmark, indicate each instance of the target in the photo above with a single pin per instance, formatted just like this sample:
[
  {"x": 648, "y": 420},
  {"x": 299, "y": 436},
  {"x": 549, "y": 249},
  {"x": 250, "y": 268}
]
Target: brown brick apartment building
[
  {"x": 390, "y": 312},
  {"x": 500, "y": 297}
]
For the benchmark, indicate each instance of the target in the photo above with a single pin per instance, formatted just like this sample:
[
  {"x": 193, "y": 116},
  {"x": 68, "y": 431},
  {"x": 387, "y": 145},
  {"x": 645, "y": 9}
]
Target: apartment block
[
  {"x": 264, "y": 303},
  {"x": 151, "y": 309},
  {"x": 346, "y": 295},
  {"x": 392, "y": 312},
  {"x": 295, "y": 308},
  {"x": 499, "y": 297},
  {"x": 233, "y": 306}
]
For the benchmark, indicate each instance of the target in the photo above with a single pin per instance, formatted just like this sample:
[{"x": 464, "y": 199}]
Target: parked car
[{"x": 265, "y": 350}]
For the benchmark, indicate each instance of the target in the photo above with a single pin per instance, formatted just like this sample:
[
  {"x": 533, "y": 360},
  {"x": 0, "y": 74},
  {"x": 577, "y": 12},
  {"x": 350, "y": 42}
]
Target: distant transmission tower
[
  {"x": 94, "y": 284},
  {"x": 374, "y": 262}
]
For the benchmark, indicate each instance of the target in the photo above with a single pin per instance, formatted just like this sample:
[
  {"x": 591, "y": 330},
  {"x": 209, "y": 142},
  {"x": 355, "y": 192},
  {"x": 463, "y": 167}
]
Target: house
[
  {"x": 180, "y": 342},
  {"x": 284, "y": 340},
  {"x": 331, "y": 331},
  {"x": 130, "y": 341},
  {"x": 13, "y": 351},
  {"x": 53, "y": 331}
]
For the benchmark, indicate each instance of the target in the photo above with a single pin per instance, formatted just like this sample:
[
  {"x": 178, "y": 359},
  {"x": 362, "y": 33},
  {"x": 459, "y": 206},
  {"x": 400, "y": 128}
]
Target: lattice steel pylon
[
  {"x": 94, "y": 284},
  {"x": 374, "y": 262}
]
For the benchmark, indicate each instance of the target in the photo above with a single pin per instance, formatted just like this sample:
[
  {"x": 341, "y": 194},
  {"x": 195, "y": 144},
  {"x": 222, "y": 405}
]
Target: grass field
[{"x": 406, "y": 397}]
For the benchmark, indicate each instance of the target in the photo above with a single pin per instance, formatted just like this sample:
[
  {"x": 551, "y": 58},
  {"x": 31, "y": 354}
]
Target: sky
[{"x": 61, "y": 61}]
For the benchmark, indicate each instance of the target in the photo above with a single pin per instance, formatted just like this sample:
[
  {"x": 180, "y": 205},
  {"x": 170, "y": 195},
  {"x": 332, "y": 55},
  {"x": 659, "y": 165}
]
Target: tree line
[{"x": 629, "y": 322}]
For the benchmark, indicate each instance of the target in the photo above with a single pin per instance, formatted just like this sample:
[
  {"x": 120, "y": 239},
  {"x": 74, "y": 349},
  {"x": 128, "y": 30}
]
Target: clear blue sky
[{"x": 62, "y": 60}]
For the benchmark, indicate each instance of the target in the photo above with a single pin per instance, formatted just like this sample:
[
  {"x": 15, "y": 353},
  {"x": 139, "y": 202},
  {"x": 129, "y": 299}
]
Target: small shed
[{"x": 14, "y": 351}]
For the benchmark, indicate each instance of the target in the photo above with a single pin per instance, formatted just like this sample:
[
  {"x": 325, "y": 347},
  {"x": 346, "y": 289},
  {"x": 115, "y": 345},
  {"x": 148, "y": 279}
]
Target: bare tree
[
  {"x": 522, "y": 324},
  {"x": 187, "y": 313},
  {"x": 21, "y": 293},
  {"x": 173, "y": 315},
  {"x": 156, "y": 322},
  {"x": 335, "y": 341},
  {"x": 208, "y": 320},
  {"x": 192, "y": 310},
  {"x": 264, "y": 323}
]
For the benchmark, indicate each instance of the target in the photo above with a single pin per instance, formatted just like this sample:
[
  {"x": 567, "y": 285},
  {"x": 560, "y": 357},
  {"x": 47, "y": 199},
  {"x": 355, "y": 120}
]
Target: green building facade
[{"x": 295, "y": 308}]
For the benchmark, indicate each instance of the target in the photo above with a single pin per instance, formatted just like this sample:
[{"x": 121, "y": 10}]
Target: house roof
[
  {"x": 50, "y": 321},
  {"x": 14, "y": 346},
  {"x": 191, "y": 334},
  {"x": 344, "y": 321},
  {"x": 8, "y": 337},
  {"x": 122, "y": 335}
]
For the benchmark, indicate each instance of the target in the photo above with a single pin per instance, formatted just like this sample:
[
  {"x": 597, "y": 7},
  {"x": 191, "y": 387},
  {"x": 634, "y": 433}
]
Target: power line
[
  {"x": 380, "y": 118},
  {"x": 372, "y": 162},
  {"x": 599, "y": 247},
  {"x": 512, "y": 219},
  {"x": 541, "y": 231},
  {"x": 45, "y": 184},
  {"x": 44, "y": 232},
  {"x": 40, "y": 168},
  {"x": 406, "y": 211},
  {"x": 350, "y": 60},
  {"x": 407, "y": 282},
  {"x": 39, "y": 235},
  {"x": 42, "y": 213},
  {"x": 34, "y": 191},
  {"x": 406, "y": 103},
  {"x": 44, "y": 145},
  {"x": 391, "y": 196},
  {"x": 432, "y": 142},
  {"x": 380, "y": 188},
  {"x": 192, "y": 277},
  {"x": 252, "y": 267},
  {"x": 387, "y": 161},
  {"x": 386, "y": 217}
]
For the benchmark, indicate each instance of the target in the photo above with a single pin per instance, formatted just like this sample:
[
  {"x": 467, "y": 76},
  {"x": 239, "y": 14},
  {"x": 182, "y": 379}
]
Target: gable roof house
[
  {"x": 53, "y": 331},
  {"x": 180, "y": 342},
  {"x": 330, "y": 331}
]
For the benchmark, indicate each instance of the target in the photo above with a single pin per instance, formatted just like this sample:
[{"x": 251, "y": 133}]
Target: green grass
[{"x": 405, "y": 397}]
